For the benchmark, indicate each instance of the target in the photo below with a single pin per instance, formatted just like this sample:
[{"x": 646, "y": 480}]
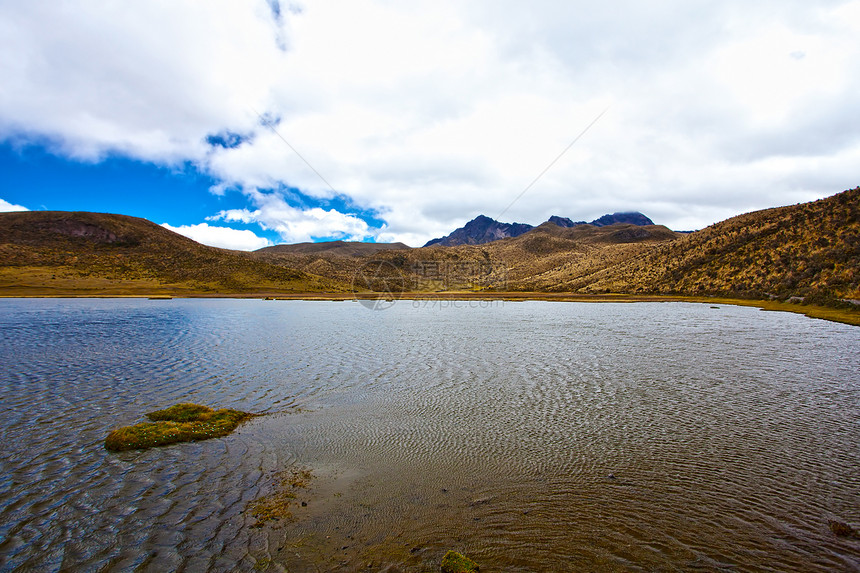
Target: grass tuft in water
[
  {"x": 180, "y": 423},
  {"x": 454, "y": 562}
]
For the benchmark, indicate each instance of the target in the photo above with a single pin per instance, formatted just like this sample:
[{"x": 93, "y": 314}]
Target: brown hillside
[
  {"x": 543, "y": 258},
  {"x": 810, "y": 249},
  {"x": 333, "y": 248},
  {"x": 44, "y": 251},
  {"x": 528, "y": 262}
]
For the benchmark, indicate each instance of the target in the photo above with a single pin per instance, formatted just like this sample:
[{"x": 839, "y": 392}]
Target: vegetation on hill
[
  {"x": 333, "y": 248},
  {"x": 811, "y": 250},
  {"x": 96, "y": 253},
  {"x": 534, "y": 261},
  {"x": 808, "y": 252}
]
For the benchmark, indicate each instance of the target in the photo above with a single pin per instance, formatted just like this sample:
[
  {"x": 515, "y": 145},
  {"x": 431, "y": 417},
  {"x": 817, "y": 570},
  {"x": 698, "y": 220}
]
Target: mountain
[
  {"x": 335, "y": 248},
  {"x": 45, "y": 252},
  {"x": 631, "y": 218},
  {"x": 534, "y": 260},
  {"x": 480, "y": 230},
  {"x": 564, "y": 222}
]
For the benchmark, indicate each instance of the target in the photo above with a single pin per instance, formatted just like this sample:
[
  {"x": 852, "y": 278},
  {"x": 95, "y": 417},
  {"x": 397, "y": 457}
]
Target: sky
[{"x": 246, "y": 123}]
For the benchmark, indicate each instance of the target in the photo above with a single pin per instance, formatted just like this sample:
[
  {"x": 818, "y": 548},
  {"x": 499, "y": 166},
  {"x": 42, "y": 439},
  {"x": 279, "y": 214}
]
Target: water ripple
[{"x": 532, "y": 436}]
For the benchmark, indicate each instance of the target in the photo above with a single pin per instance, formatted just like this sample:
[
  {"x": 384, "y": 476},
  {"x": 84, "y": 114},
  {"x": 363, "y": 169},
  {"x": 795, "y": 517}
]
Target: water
[{"x": 732, "y": 436}]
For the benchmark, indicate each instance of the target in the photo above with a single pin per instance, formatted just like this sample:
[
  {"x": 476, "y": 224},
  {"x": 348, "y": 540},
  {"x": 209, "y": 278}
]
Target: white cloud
[
  {"x": 150, "y": 80},
  {"x": 223, "y": 237},
  {"x": 6, "y": 206},
  {"x": 297, "y": 225},
  {"x": 431, "y": 112}
]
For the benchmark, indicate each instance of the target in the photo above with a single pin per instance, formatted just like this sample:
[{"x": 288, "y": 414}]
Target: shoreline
[{"x": 812, "y": 311}]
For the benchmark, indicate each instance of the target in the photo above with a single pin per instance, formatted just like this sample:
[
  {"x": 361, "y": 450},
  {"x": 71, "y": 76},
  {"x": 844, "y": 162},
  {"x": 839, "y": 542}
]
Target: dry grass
[
  {"x": 808, "y": 250},
  {"x": 180, "y": 423},
  {"x": 62, "y": 253},
  {"x": 843, "y": 315}
]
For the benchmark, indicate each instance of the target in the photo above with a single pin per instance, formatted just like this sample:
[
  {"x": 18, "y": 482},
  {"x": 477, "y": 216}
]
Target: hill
[
  {"x": 45, "y": 252},
  {"x": 524, "y": 263},
  {"x": 808, "y": 250},
  {"x": 334, "y": 248}
]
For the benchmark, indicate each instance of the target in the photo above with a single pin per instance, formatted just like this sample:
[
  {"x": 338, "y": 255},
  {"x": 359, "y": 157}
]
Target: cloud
[
  {"x": 429, "y": 113},
  {"x": 96, "y": 78},
  {"x": 223, "y": 237},
  {"x": 294, "y": 225},
  {"x": 5, "y": 206}
]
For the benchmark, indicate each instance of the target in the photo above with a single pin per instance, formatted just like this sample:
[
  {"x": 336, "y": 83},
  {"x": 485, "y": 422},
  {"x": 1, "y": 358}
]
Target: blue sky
[
  {"x": 39, "y": 180},
  {"x": 177, "y": 196},
  {"x": 253, "y": 122}
]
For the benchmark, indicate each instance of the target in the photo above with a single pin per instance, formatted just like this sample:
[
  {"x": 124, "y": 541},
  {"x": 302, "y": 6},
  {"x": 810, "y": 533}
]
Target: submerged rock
[
  {"x": 842, "y": 529},
  {"x": 454, "y": 562}
]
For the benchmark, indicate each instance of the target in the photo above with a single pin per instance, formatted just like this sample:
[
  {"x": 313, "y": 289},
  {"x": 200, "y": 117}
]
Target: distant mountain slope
[
  {"x": 811, "y": 249},
  {"x": 631, "y": 218},
  {"x": 564, "y": 221},
  {"x": 533, "y": 260},
  {"x": 42, "y": 251},
  {"x": 335, "y": 248},
  {"x": 482, "y": 229},
  {"x": 527, "y": 262}
]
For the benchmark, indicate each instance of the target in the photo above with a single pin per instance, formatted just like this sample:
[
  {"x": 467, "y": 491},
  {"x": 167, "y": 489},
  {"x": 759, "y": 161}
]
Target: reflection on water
[{"x": 530, "y": 436}]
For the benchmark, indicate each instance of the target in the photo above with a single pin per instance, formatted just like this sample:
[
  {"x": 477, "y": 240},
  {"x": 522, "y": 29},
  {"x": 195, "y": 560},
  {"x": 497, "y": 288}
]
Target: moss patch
[
  {"x": 276, "y": 506},
  {"x": 454, "y": 562},
  {"x": 179, "y": 423}
]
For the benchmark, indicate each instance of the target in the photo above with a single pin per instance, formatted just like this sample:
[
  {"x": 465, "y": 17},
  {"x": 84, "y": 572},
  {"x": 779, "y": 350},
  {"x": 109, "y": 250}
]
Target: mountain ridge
[
  {"x": 480, "y": 230},
  {"x": 483, "y": 229}
]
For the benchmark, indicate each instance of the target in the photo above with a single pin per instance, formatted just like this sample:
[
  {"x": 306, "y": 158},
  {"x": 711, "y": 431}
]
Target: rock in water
[
  {"x": 841, "y": 529},
  {"x": 453, "y": 562}
]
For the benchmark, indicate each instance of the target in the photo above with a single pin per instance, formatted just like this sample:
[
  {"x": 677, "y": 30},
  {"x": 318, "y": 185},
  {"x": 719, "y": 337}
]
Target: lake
[{"x": 530, "y": 436}]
